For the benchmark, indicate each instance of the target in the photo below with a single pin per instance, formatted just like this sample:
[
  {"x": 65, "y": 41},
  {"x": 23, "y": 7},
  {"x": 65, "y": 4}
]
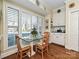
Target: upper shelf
[{"x": 59, "y": 26}]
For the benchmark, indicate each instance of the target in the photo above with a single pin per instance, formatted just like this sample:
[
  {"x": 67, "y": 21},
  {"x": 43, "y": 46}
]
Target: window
[
  {"x": 40, "y": 25},
  {"x": 13, "y": 16},
  {"x": 34, "y": 22},
  {"x": 26, "y": 24}
]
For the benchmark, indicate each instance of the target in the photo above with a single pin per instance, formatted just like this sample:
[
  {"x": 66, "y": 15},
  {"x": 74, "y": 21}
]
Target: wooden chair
[
  {"x": 22, "y": 52},
  {"x": 41, "y": 48}
]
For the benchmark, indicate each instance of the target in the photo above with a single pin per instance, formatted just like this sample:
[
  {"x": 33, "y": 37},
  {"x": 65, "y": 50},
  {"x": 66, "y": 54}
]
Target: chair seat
[
  {"x": 25, "y": 48},
  {"x": 41, "y": 46}
]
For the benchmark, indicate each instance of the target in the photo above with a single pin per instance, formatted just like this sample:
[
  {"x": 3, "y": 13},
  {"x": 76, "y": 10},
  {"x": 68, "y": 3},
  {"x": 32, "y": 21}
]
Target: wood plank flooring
[{"x": 55, "y": 52}]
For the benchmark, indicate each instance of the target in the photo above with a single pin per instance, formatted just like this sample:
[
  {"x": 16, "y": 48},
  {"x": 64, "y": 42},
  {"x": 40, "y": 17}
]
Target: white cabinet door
[
  {"x": 58, "y": 38},
  {"x": 51, "y": 38},
  {"x": 55, "y": 38},
  {"x": 61, "y": 39}
]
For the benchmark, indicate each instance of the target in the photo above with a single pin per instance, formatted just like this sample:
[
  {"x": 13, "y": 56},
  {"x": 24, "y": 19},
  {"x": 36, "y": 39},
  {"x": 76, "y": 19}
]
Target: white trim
[
  {"x": 4, "y": 41},
  {"x": 8, "y": 52},
  {"x": 11, "y": 47},
  {"x": 6, "y": 24}
]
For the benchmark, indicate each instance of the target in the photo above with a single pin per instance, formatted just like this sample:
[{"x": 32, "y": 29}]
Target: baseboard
[{"x": 58, "y": 45}]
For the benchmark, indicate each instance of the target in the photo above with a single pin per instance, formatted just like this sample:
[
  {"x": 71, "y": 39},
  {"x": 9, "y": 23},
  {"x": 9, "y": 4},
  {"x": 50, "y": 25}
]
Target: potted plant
[{"x": 34, "y": 32}]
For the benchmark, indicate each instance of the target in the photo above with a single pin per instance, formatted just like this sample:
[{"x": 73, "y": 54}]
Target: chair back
[
  {"x": 46, "y": 38},
  {"x": 46, "y": 35},
  {"x": 18, "y": 42}
]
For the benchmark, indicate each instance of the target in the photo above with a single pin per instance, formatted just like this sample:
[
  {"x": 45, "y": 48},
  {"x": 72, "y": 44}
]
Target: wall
[
  {"x": 0, "y": 14},
  {"x": 1, "y": 5},
  {"x": 59, "y": 18},
  {"x": 68, "y": 10}
]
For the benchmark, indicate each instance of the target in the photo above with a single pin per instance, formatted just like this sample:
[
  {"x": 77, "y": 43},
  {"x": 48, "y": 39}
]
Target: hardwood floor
[{"x": 55, "y": 52}]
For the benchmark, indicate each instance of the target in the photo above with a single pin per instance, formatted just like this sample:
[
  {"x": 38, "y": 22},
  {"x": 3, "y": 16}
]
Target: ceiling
[
  {"x": 48, "y": 4},
  {"x": 52, "y": 4}
]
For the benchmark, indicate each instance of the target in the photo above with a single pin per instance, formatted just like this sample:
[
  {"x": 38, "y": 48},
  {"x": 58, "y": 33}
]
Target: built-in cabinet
[
  {"x": 57, "y": 38},
  {"x": 57, "y": 26}
]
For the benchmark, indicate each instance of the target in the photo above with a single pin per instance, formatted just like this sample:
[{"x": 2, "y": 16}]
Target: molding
[
  {"x": 8, "y": 52},
  {"x": 58, "y": 45}
]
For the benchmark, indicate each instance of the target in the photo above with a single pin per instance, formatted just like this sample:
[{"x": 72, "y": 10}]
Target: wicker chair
[
  {"x": 43, "y": 47},
  {"x": 22, "y": 52}
]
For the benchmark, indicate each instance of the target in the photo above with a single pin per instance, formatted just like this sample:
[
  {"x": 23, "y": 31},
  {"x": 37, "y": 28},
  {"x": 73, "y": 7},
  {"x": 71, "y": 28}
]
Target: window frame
[
  {"x": 27, "y": 14},
  {"x": 20, "y": 9},
  {"x": 6, "y": 24}
]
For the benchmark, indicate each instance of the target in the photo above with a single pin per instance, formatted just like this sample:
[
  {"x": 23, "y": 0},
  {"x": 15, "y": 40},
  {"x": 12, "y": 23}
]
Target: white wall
[
  {"x": 59, "y": 18},
  {"x": 1, "y": 5}
]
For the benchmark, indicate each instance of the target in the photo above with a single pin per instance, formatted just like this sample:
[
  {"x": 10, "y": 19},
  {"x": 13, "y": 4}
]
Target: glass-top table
[{"x": 31, "y": 41}]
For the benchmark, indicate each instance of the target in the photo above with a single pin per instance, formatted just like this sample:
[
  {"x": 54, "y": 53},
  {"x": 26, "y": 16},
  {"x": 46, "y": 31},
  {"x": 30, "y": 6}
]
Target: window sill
[
  {"x": 8, "y": 51},
  {"x": 11, "y": 47}
]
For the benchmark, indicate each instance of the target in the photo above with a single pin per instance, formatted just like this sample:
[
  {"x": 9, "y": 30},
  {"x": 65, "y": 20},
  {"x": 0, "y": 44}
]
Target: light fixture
[
  {"x": 33, "y": 1},
  {"x": 59, "y": 10},
  {"x": 37, "y": 2}
]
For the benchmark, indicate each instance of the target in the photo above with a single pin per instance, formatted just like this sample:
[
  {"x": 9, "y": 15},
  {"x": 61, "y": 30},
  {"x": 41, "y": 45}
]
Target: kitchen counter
[{"x": 58, "y": 32}]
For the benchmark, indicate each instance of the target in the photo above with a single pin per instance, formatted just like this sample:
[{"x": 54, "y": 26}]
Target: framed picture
[{"x": 46, "y": 27}]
